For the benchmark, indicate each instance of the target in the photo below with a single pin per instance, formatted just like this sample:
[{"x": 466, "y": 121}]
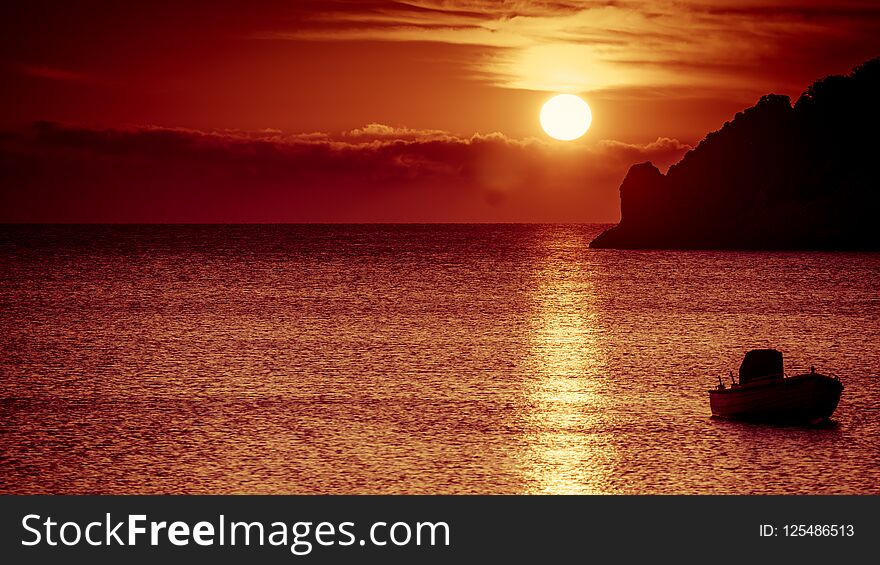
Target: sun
[{"x": 566, "y": 117}]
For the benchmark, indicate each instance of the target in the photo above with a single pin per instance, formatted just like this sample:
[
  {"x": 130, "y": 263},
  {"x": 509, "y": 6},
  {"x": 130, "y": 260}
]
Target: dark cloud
[
  {"x": 55, "y": 172},
  {"x": 818, "y": 11}
]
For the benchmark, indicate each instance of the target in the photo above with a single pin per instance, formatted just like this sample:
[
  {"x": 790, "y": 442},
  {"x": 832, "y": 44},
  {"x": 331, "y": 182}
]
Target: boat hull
[{"x": 809, "y": 398}]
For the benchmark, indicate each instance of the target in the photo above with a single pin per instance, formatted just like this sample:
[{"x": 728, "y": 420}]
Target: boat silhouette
[{"x": 765, "y": 394}]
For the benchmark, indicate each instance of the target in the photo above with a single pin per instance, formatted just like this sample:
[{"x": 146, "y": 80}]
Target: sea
[{"x": 478, "y": 358}]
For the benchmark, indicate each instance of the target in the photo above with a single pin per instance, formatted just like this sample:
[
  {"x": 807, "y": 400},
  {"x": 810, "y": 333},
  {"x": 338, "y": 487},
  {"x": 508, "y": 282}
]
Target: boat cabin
[{"x": 760, "y": 364}]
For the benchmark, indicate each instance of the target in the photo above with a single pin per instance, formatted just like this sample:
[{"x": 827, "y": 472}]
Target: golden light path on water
[{"x": 564, "y": 455}]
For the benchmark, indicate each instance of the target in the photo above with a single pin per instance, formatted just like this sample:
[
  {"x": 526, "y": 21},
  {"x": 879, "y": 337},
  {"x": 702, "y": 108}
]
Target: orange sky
[{"x": 658, "y": 76}]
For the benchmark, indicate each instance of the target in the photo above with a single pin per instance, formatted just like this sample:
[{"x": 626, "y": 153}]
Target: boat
[{"x": 765, "y": 394}]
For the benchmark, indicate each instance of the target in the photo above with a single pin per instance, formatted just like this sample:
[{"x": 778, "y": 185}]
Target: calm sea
[{"x": 417, "y": 359}]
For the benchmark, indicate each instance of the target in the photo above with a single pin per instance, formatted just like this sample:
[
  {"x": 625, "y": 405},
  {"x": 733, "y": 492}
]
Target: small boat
[{"x": 765, "y": 394}]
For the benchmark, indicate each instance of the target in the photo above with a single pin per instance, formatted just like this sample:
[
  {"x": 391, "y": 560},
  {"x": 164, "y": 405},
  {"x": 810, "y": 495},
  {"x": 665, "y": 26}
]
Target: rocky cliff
[{"x": 777, "y": 176}]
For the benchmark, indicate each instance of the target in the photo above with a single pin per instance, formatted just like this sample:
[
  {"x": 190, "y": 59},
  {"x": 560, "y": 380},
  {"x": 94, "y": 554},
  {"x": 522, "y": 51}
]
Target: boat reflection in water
[{"x": 765, "y": 394}]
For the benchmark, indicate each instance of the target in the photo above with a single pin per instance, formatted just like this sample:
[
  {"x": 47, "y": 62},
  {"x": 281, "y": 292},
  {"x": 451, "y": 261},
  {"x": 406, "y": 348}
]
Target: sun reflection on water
[{"x": 568, "y": 450}]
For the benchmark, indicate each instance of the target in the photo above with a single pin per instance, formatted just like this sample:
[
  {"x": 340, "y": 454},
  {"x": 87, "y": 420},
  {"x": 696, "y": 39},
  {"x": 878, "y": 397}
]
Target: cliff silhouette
[{"x": 777, "y": 176}]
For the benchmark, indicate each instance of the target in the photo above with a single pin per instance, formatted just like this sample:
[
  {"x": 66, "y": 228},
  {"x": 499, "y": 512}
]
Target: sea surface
[{"x": 418, "y": 359}]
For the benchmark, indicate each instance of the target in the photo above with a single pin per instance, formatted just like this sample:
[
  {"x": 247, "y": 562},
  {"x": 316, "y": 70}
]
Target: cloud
[
  {"x": 376, "y": 131},
  {"x": 55, "y": 172},
  {"x": 663, "y": 152},
  {"x": 583, "y": 46}
]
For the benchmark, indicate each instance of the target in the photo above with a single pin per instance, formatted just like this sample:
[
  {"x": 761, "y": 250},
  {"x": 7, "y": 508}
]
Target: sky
[{"x": 381, "y": 111}]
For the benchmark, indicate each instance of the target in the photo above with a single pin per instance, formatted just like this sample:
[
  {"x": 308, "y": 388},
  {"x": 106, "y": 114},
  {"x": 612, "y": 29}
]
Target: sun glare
[{"x": 566, "y": 117}]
